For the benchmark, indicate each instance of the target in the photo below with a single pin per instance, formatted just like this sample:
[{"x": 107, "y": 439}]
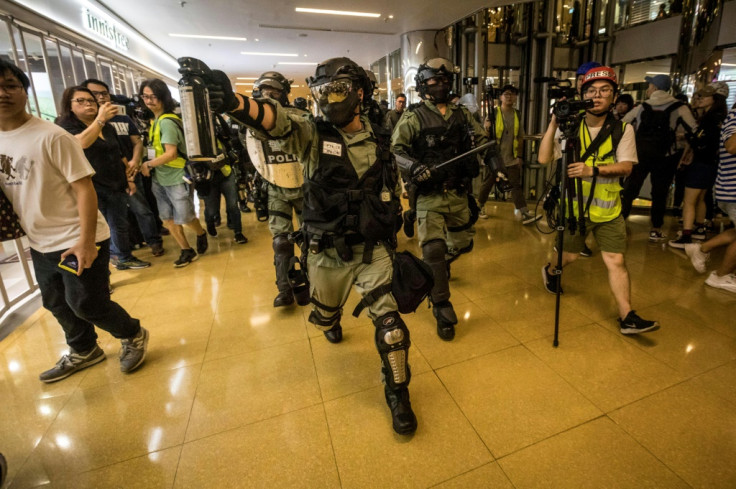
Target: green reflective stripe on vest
[
  {"x": 154, "y": 137},
  {"x": 606, "y": 202},
  {"x": 500, "y": 127}
]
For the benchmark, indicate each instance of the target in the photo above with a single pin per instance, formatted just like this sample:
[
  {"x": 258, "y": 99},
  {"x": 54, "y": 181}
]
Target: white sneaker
[
  {"x": 697, "y": 256},
  {"x": 482, "y": 214},
  {"x": 727, "y": 282}
]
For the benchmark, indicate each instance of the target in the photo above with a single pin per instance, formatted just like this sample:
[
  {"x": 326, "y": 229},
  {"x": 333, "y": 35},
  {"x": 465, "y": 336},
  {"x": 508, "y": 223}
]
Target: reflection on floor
[{"x": 237, "y": 394}]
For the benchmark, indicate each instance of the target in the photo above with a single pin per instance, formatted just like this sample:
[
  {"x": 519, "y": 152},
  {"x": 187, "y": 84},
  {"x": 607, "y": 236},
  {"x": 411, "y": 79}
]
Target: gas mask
[
  {"x": 438, "y": 93},
  {"x": 337, "y": 100}
]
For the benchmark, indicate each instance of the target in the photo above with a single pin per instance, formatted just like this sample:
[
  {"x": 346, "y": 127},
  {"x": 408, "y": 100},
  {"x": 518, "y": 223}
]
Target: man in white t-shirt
[
  {"x": 45, "y": 175},
  {"x": 600, "y": 164}
]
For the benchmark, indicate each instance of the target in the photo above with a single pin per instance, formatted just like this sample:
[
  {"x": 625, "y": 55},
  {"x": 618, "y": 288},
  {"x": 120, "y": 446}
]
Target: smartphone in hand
[{"x": 70, "y": 264}]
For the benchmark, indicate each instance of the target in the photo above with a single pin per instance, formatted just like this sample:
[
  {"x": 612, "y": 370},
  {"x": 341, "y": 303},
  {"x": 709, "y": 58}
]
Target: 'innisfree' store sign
[{"x": 104, "y": 28}]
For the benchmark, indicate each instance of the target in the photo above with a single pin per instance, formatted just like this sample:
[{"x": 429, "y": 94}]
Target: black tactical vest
[
  {"x": 341, "y": 209},
  {"x": 438, "y": 141}
]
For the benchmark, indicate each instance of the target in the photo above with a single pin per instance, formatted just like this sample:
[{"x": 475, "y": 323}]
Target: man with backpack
[{"x": 656, "y": 122}]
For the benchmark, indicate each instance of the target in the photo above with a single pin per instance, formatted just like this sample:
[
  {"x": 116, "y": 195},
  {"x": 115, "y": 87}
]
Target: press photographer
[{"x": 599, "y": 152}]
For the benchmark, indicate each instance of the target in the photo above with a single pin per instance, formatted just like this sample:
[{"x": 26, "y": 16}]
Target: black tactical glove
[
  {"x": 222, "y": 97},
  {"x": 502, "y": 180},
  {"x": 419, "y": 173}
]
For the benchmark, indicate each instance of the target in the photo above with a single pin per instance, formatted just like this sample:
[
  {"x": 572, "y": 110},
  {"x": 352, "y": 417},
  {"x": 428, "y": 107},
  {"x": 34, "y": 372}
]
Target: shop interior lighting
[
  {"x": 247, "y": 78},
  {"x": 335, "y": 12},
  {"x": 219, "y": 38},
  {"x": 254, "y": 53},
  {"x": 305, "y": 63}
]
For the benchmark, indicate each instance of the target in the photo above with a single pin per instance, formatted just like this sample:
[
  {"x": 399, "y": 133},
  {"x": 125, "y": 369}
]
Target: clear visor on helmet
[
  {"x": 439, "y": 63},
  {"x": 333, "y": 91},
  {"x": 269, "y": 83}
]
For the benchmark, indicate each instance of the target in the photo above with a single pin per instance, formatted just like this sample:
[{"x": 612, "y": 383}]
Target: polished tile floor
[{"x": 236, "y": 394}]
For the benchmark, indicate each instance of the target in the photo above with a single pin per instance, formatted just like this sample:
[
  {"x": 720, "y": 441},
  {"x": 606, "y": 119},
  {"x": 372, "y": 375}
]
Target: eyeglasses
[
  {"x": 603, "y": 92},
  {"x": 85, "y": 101},
  {"x": 12, "y": 88},
  {"x": 101, "y": 94},
  {"x": 508, "y": 94},
  {"x": 149, "y": 97}
]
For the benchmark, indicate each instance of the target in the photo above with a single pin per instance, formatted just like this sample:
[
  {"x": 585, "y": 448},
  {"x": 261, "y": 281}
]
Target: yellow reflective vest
[
  {"x": 154, "y": 139},
  {"x": 606, "y": 203},
  {"x": 500, "y": 127}
]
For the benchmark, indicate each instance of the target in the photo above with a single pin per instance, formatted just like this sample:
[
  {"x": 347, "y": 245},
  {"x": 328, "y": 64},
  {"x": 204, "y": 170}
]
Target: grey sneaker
[
  {"x": 72, "y": 363},
  {"x": 133, "y": 351},
  {"x": 132, "y": 264},
  {"x": 697, "y": 257}
]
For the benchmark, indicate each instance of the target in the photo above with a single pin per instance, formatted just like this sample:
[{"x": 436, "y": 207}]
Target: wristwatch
[
  {"x": 100, "y": 123},
  {"x": 596, "y": 171}
]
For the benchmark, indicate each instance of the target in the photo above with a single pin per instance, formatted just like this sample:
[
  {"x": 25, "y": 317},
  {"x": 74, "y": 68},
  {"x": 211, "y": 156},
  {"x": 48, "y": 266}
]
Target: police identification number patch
[{"x": 330, "y": 148}]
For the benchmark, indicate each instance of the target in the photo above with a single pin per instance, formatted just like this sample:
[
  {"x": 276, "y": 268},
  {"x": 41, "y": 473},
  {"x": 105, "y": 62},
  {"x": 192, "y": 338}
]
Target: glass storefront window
[
  {"x": 67, "y": 64},
  {"x": 79, "y": 70},
  {"x": 40, "y": 77},
  {"x": 567, "y": 20},
  {"x": 23, "y": 65},
  {"x": 90, "y": 63},
  {"x": 105, "y": 69},
  {"x": 54, "y": 65}
]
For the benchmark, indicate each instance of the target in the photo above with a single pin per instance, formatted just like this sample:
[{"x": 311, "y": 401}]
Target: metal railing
[{"x": 29, "y": 286}]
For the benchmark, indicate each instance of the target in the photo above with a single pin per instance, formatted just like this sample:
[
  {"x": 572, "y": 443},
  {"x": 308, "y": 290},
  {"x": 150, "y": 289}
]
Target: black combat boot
[
  {"x": 446, "y": 320},
  {"x": 284, "y": 299},
  {"x": 404, "y": 420},
  {"x": 334, "y": 334}
]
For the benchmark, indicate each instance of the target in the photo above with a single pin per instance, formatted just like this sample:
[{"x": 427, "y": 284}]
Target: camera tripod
[{"x": 569, "y": 189}]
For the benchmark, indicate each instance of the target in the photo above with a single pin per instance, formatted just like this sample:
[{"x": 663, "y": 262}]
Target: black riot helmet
[
  {"x": 335, "y": 86},
  {"x": 444, "y": 71},
  {"x": 275, "y": 81}
]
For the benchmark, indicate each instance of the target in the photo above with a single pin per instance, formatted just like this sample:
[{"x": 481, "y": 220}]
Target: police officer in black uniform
[
  {"x": 425, "y": 136},
  {"x": 283, "y": 173},
  {"x": 351, "y": 208}
]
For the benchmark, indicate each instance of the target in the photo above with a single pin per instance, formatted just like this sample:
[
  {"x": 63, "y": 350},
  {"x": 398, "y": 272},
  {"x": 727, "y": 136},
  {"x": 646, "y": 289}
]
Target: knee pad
[
  {"x": 434, "y": 251},
  {"x": 282, "y": 245},
  {"x": 392, "y": 342},
  {"x": 323, "y": 323}
]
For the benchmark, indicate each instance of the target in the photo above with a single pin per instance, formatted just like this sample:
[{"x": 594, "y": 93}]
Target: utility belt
[{"x": 457, "y": 184}]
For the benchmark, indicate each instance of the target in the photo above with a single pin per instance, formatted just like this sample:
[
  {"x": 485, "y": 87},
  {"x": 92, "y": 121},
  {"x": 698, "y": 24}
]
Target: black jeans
[
  {"x": 80, "y": 303},
  {"x": 225, "y": 186},
  {"x": 662, "y": 172}
]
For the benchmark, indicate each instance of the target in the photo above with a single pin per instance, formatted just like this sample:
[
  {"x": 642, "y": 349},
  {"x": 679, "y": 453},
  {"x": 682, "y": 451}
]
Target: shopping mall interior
[{"x": 236, "y": 393}]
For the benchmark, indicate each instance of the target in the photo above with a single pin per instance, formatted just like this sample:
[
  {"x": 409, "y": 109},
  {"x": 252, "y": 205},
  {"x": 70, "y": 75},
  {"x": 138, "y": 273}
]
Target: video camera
[{"x": 567, "y": 111}]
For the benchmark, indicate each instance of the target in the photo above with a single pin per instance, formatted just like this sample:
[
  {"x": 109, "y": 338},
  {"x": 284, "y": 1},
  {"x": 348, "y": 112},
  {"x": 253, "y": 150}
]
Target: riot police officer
[
  {"x": 351, "y": 207},
  {"x": 428, "y": 134},
  {"x": 282, "y": 172}
]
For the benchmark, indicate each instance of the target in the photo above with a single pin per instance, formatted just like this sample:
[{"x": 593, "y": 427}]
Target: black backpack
[{"x": 654, "y": 136}]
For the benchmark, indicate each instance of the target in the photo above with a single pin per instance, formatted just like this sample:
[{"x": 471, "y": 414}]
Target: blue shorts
[{"x": 174, "y": 202}]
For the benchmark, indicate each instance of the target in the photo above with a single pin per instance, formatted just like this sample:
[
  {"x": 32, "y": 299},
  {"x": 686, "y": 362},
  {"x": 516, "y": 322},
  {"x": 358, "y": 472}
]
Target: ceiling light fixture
[
  {"x": 253, "y": 53},
  {"x": 247, "y": 78},
  {"x": 335, "y": 12},
  {"x": 219, "y": 38},
  {"x": 246, "y": 84},
  {"x": 296, "y": 63}
]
